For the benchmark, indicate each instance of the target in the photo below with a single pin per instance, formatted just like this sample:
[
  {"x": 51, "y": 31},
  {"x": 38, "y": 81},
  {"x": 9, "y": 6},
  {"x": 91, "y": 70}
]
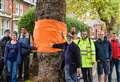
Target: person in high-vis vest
[{"x": 88, "y": 57}]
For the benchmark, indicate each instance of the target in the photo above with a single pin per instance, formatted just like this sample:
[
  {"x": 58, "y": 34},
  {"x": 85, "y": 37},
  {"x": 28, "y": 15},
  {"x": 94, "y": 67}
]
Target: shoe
[
  {"x": 27, "y": 80},
  {"x": 20, "y": 77}
]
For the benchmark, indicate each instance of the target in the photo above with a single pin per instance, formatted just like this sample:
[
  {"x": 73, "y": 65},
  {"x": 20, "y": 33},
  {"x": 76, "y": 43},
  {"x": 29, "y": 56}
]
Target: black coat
[{"x": 74, "y": 53}]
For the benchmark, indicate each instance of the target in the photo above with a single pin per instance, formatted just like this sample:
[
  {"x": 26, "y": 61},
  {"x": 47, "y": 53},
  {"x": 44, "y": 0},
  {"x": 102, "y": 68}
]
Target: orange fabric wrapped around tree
[{"x": 48, "y": 32}]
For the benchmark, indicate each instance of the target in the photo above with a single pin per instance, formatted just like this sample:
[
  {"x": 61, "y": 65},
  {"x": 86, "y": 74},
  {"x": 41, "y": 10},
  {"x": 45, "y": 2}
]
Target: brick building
[{"x": 10, "y": 12}]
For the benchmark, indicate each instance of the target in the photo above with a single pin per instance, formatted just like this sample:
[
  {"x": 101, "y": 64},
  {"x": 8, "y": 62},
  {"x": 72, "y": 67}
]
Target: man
[
  {"x": 73, "y": 32},
  {"x": 6, "y": 37},
  {"x": 87, "y": 49},
  {"x": 72, "y": 59},
  {"x": 3, "y": 42},
  {"x": 115, "y": 58},
  {"x": 24, "y": 38},
  {"x": 103, "y": 56}
]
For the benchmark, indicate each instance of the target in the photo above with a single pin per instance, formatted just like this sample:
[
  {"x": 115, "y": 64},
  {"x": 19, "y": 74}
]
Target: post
[{"x": 12, "y": 17}]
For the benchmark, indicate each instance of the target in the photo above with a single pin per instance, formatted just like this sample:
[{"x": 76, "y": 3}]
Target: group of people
[
  {"x": 80, "y": 54},
  {"x": 15, "y": 52}
]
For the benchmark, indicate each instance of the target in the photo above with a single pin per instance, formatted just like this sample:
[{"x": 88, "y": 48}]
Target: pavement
[{"x": 95, "y": 77}]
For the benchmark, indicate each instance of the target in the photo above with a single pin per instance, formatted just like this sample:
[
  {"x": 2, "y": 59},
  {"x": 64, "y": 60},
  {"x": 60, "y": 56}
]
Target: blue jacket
[
  {"x": 12, "y": 52},
  {"x": 103, "y": 50},
  {"x": 25, "y": 43},
  {"x": 71, "y": 56}
]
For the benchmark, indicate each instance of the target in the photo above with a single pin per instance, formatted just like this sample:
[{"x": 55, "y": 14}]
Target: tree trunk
[
  {"x": 110, "y": 24},
  {"x": 49, "y": 63},
  {"x": 51, "y": 9}
]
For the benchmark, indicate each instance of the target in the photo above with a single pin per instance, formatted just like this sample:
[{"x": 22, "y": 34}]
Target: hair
[
  {"x": 14, "y": 32},
  {"x": 7, "y": 30},
  {"x": 114, "y": 33}
]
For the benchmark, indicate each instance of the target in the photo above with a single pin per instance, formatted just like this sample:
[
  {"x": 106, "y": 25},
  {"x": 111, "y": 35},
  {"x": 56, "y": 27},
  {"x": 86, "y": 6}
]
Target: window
[
  {"x": 5, "y": 24},
  {"x": 21, "y": 9},
  {"x": 1, "y": 4},
  {"x": 17, "y": 8}
]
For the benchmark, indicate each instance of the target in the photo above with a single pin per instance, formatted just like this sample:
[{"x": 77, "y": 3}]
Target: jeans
[
  {"x": 87, "y": 74},
  {"x": 117, "y": 67},
  {"x": 69, "y": 77},
  {"x": 25, "y": 63},
  {"x": 12, "y": 69}
]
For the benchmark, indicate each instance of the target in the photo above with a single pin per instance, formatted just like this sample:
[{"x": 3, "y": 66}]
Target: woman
[{"x": 12, "y": 57}]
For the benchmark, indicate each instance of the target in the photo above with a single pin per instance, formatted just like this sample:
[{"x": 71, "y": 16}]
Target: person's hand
[
  {"x": 34, "y": 48},
  {"x": 78, "y": 71},
  {"x": 108, "y": 60},
  {"x": 93, "y": 63},
  {"x": 119, "y": 58},
  {"x": 98, "y": 60}
]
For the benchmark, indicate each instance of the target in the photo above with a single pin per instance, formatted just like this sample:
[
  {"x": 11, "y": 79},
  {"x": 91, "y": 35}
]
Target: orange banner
[{"x": 48, "y": 32}]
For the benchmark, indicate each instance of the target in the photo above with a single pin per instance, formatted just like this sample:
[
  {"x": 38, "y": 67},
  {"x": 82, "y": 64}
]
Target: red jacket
[{"x": 115, "y": 49}]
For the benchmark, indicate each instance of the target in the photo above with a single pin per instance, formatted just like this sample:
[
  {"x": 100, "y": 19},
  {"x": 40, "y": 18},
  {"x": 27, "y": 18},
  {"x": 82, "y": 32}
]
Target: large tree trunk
[{"x": 48, "y": 64}]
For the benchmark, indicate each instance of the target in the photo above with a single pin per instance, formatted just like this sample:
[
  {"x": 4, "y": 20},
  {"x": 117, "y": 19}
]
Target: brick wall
[{"x": 8, "y": 6}]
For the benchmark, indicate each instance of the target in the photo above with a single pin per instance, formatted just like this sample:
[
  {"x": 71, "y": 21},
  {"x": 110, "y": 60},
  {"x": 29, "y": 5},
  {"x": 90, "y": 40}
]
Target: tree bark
[
  {"x": 51, "y": 9},
  {"x": 49, "y": 63}
]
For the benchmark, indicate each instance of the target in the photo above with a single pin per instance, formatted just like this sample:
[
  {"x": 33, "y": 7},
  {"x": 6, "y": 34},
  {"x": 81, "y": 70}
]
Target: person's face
[
  {"x": 23, "y": 30},
  {"x": 7, "y": 33},
  {"x": 101, "y": 35},
  {"x": 114, "y": 36},
  {"x": 69, "y": 40},
  {"x": 73, "y": 29},
  {"x": 84, "y": 34},
  {"x": 13, "y": 37}
]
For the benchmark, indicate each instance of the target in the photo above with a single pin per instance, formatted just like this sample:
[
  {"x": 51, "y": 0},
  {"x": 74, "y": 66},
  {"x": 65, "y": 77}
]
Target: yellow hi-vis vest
[{"x": 87, "y": 52}]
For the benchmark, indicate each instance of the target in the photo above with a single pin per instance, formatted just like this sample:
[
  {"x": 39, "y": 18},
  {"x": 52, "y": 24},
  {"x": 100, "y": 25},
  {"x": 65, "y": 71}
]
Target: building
[{"x": 10, "y": 12}]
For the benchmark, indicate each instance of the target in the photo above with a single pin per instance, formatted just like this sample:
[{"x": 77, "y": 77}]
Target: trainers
[{"x": 27, "y": 80}]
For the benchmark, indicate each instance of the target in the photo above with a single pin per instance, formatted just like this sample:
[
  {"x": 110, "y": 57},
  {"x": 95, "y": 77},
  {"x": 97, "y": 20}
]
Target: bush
[
  {"x": 28, "y": 21},
  {"x": 73, "y": 22}
]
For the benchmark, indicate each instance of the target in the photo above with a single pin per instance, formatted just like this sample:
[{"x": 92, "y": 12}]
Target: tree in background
[
  {"x": 28, "y": 20},
  {"x": 106, "y": 10}
]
